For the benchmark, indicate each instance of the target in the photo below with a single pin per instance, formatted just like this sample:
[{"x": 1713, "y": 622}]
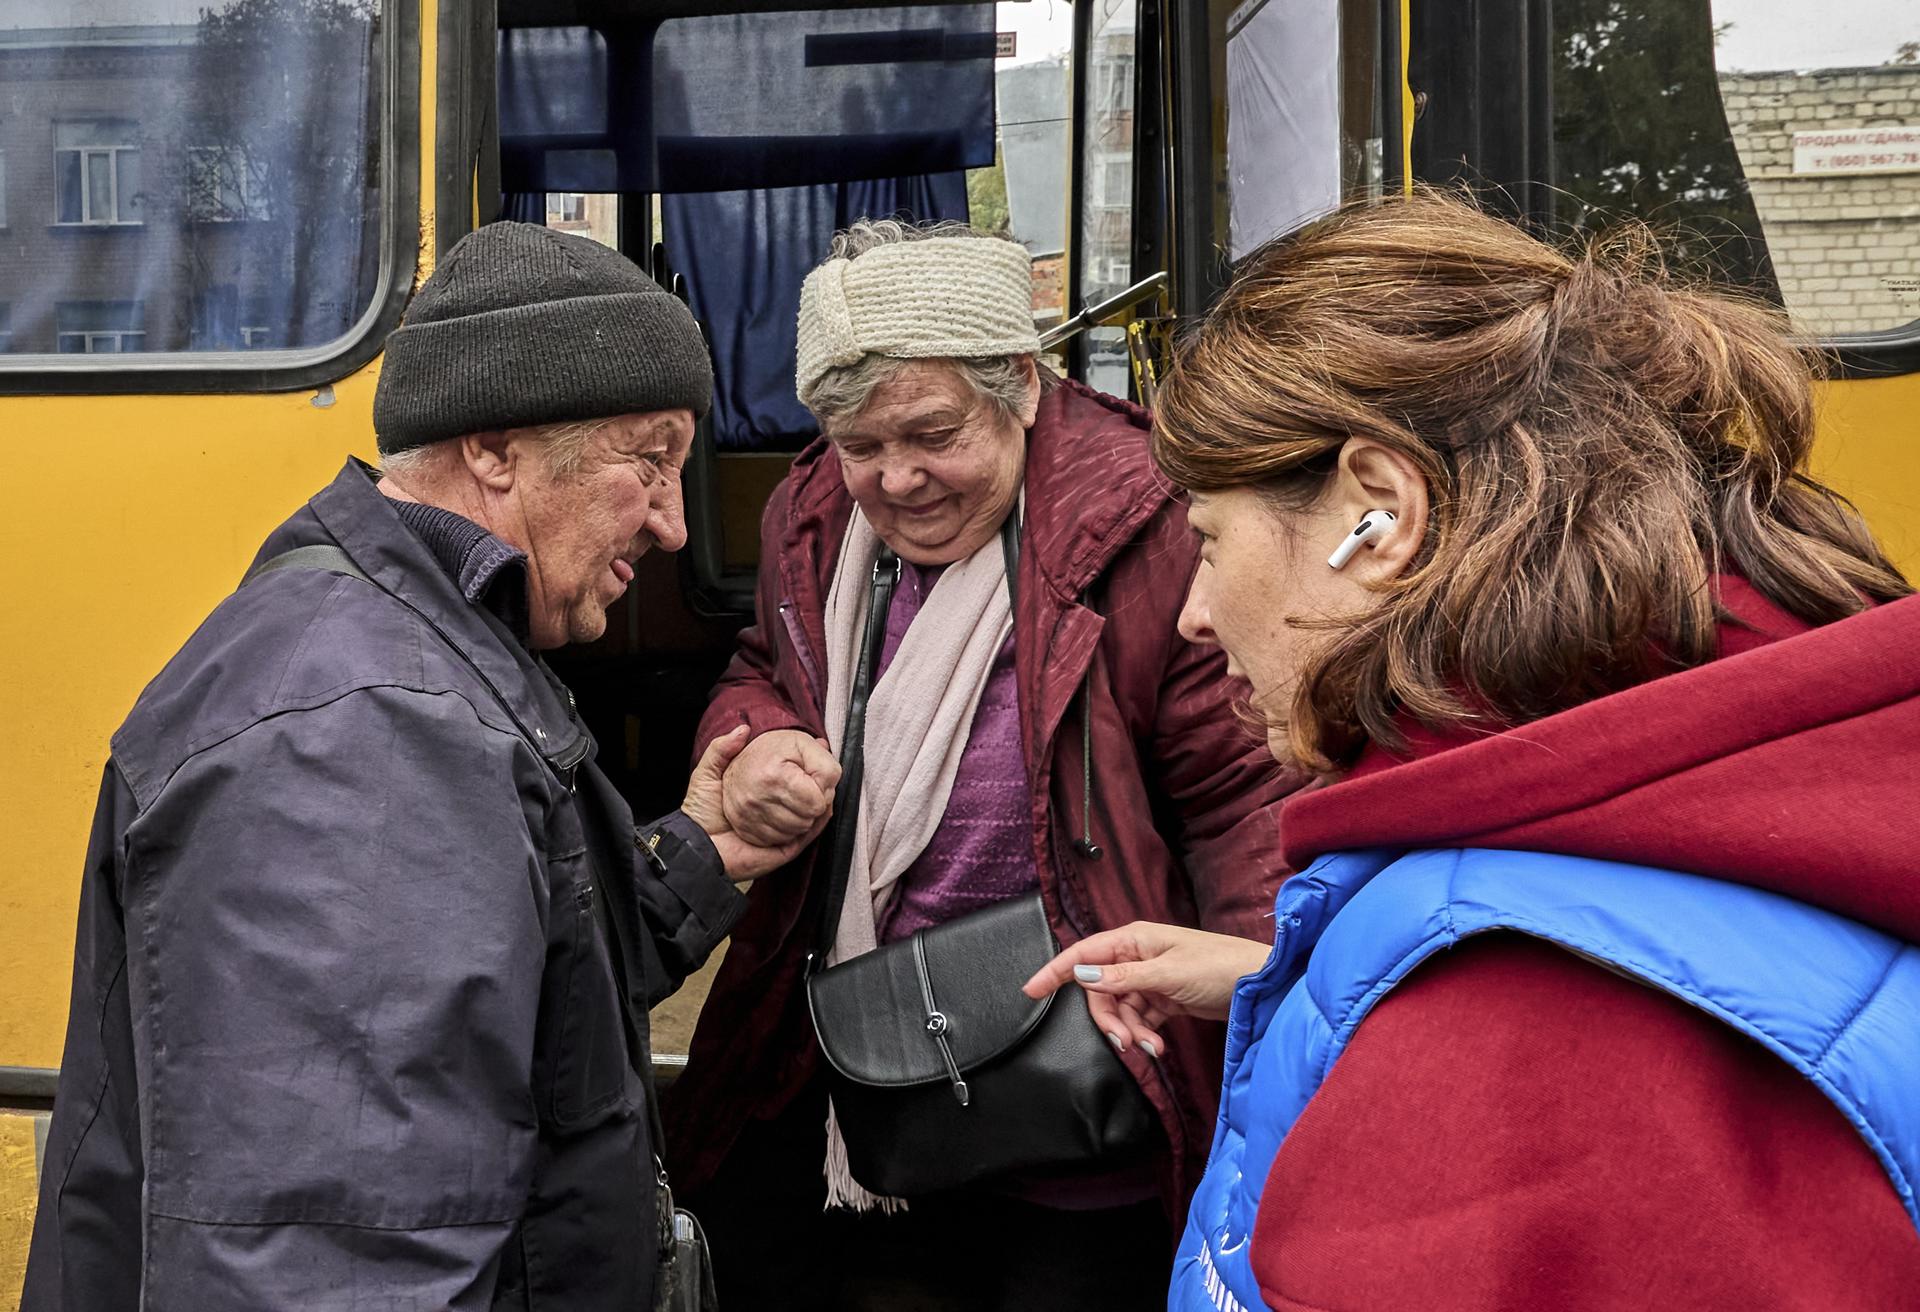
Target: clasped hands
[{"x": 762, "y": 799}]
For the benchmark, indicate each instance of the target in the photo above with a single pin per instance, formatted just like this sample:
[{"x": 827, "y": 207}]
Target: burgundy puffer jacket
[{"x": 1185, "y": 801}]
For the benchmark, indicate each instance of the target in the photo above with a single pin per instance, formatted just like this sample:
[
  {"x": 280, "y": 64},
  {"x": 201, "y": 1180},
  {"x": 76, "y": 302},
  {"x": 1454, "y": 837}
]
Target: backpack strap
[{"x": 321, "y": 556}]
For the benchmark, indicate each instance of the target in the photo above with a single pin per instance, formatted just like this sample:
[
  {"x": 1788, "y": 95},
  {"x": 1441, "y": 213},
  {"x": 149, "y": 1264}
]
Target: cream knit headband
[{"x": 940, "y": 298}]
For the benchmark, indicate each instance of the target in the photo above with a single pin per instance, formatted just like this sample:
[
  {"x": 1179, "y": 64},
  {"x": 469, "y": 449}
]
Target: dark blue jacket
[{"x": 346, "y": 1030}]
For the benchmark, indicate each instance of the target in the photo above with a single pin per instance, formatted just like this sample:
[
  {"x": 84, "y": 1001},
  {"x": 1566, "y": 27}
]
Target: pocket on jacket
[{"x": 588, "y": 1070}]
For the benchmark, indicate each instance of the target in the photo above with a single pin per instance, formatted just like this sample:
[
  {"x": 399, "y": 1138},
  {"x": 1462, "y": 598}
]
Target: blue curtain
[
  {"x": 745, "y": 254},
  {"x": 747, "y": 100},
  {"x": 524, "y": 206}
]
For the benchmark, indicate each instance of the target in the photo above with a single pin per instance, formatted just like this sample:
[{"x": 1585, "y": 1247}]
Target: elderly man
[
  {"x": 1037, "y": 730},
  {"x": 367, "y": 941}
]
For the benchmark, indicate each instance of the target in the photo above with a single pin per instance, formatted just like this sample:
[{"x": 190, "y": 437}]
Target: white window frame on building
[
  {"x": 3, "y": 189},
  {"x": 255, "y": 338},
  {"x": 1115, "y": 92},
  {"x": 119, "y": 331},
  {"x": 116, "y": 153},
  {"x": 114, "y": 342},
  {"x": 224, "y": 186}
]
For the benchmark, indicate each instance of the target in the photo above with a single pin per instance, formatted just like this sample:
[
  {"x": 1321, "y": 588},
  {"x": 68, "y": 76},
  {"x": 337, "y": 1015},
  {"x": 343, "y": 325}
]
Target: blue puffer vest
[{"x": 1832, "y": 997}]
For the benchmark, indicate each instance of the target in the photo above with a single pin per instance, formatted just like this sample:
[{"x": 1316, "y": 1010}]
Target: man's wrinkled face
[
  {"x": 932, "y": 466},
  {"x": 584, "y": 526}
]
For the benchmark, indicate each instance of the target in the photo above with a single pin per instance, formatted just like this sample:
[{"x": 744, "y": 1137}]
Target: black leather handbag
[{"x": 943, "y": 1073}]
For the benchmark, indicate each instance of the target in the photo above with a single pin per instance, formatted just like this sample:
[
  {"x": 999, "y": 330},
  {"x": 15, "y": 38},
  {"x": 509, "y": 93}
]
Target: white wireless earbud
[{"x": 1373, "y": 525}]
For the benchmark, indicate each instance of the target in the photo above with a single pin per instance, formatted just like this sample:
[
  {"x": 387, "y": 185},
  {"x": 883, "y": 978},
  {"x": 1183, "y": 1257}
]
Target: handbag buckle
[
  {"x": 937, "y": 1031},
  {"x": 937, "y": 1023}
]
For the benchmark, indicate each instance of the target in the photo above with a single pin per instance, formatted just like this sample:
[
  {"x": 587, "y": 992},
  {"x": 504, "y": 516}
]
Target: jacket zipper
[
  {"x": 569, "y": 764},
  {"x": 791, "y": 621}
]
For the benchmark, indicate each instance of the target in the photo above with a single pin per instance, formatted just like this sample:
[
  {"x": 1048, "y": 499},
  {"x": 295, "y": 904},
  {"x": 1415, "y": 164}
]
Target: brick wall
[{"x": 1846, "y": 247}]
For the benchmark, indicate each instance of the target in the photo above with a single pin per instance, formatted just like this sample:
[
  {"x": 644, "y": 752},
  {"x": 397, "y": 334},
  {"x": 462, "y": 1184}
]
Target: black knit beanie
[{"x": 520, "y": 325}]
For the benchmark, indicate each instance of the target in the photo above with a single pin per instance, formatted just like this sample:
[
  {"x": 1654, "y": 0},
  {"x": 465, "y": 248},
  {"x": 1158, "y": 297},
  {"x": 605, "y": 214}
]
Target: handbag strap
[{"x": 846, "y": 798}]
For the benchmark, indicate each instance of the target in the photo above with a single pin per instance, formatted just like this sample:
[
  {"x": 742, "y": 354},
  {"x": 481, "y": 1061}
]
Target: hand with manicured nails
[
  {"x": 1137, "y": 976},
  {"x": 780, "y": 787},
  {"x": 746, "y": 855}
]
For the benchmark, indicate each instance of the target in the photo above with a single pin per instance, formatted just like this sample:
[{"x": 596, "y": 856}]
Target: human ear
[
  {"x": 1372, "y": 476},
  {"x": 675, "y": 430},
  {"x": 491, "y": 459},
  {"x": 1031, "y": 405}
]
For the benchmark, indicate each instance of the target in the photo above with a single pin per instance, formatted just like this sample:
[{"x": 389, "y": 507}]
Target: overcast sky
[
  {"x": 1042, "y": 28},
  {"x": 80, "y": 13},
  {"x": 1814, "y": 33},
  {"x": 1765, "y": 33}
]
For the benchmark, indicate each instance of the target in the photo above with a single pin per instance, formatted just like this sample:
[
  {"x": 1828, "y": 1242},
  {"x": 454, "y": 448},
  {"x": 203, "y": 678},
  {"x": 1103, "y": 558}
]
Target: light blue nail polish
[
  {"x": 1114, "y": 1039},
  {"x": 1147, "y": 1046},
  {"x": 1087, "y": 974}
]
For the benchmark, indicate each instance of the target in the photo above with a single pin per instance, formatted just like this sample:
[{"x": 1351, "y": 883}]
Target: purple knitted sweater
[{"x": 982, "y": 852}]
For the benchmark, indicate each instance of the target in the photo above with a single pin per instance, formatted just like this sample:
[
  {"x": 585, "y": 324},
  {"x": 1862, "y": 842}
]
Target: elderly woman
[
  {"x": 1063, "y": 741},
  {"x": 1598, "y": 986}
]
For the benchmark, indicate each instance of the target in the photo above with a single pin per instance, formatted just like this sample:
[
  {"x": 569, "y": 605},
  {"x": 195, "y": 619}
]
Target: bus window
[
  {"x": 1297, "y": 130},
  {"x": 1776, "y": 142},
  {"x": 1296, "y": 121},
  {"x": 188, "y": 175},
  {"x": 1025, "y": 193},
  {"x": 585, "y": 213}
]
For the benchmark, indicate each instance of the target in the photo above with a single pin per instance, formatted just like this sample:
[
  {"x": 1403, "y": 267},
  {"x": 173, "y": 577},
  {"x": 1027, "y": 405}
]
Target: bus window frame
[
  {"x": 466, "y": 148},
  {"x": 1199, "y": 269},
  {"x": 1885, "y": 354},
  {"x": 231, "y": 372},
  {"x": 1154, "y": 202},
  {"x": 1075, "y": 354},
  {"x": 1510, "y": 150}
]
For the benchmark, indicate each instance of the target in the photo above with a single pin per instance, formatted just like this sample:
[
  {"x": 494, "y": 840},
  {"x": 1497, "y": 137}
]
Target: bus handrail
[
  {"x": 1101, "y": 311},
  {"x": 28, "y": 1084}
]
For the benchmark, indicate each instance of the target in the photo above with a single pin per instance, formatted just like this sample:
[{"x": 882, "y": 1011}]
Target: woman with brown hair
[{"x": 1598, "y": 985}]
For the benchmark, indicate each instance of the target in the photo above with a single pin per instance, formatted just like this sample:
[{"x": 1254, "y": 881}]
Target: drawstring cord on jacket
[{"x": 1086, "y": 846}]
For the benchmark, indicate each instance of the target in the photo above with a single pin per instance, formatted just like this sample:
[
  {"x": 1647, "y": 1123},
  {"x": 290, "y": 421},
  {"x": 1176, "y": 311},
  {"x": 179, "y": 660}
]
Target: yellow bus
[{"x": 212, "y": 212}]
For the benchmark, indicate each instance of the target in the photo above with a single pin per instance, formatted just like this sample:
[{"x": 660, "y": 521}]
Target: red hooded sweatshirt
[{"x": 1578, "y": 1140}]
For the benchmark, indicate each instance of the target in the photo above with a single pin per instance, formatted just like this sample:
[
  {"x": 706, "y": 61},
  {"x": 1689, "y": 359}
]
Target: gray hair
[
  {"x": 563, "y": 444},
  {"x": 999, "y": 381},
  {"x": 863, "y": 235}
]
